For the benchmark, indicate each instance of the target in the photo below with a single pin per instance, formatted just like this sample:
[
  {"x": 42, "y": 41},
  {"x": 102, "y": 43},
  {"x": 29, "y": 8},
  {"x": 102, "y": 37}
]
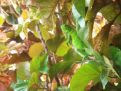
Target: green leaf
[
  {"x": 115, "y": 55},
  {"x": 45, "y": 31},
  {"x": 63, "y": 89},
  {"x": 23, "y": 70},
  {"x": 62, "y": 49},
  {"x": 10, "y": 34},
  {"x": 54, "y": 43},
  {"x": 32, "y": 24},
  {"x": 79, "y": 19},
  {"x": 25, "y": 27},
  {"x": 80, "y": 6},
  {"x": 69, "y": 59},
  {"x": 72, "y": 56},
  {"x": 118, "y": 20},
  {"x": 86, "y": 73},
  {"x": 3, "y": 46},
  {"x": 34, "y": 79},
  {"x": 39, "y": 64},
  {"x": 60, "y": 68},
  {"x": 110, "y": 11},
  {"x": 104, "y": 78},
  {"x": 17, "y": 32},
  {"x": 11, "y": 19},
  {"x": 21, "y": 85},
  {"x": 110, "y": 66},
  {"x": 45, "y": 8},
  {"x": 75, "y": 13},
  {"x": 18, "y": 10},
  {"x": 81, "y": 26}
]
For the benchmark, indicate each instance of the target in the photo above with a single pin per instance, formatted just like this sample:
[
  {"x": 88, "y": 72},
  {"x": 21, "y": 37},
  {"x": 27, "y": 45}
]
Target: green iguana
[{"x": 79, "y": 45}]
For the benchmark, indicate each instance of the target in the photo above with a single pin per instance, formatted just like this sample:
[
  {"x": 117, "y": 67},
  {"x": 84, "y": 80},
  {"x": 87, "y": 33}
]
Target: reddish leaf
[
  {"x": 6, "y": 80},
  {"x": 2, "y": 87}
]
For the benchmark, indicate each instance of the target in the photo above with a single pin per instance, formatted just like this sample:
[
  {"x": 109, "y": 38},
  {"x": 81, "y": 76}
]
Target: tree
[{"x": 60, "y": 45}]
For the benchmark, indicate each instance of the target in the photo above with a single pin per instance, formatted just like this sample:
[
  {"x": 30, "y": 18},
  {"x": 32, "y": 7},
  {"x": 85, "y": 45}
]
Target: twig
[
  {"x": 41, "y": 38},
  {"x": 45, "y": 48},
  {"x": 3, "y": 11},
  {"x": 53, "y": 9},
  {"x": 12, "y": 8},
  {"x": 46, "y": 51}
]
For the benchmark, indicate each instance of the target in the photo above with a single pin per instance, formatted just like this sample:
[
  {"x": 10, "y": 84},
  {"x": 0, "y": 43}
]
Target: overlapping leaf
[
  {"x": 39, "y": 64},
  {"x": 115, "y": 55},
  {"x": 110, "y": 11},
  {"x": 84, "y": 75}
]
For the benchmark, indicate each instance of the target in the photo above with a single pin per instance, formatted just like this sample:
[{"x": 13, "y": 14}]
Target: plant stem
[{"x": 41, "y": 38}]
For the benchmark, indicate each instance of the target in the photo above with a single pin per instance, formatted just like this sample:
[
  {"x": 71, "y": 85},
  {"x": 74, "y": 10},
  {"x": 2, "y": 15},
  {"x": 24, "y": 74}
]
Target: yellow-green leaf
[
  {"x": 34, "y": 79},
  {"x": 62, "y": 49},
  {"x": 1, "y": 20},
  {"x": 35, "y": 50},
  {"x": 24, "y": 14}
]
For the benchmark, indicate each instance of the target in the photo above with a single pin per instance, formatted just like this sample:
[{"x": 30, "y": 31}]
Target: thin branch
[
  {"x": 41, "y": 38},
  {"x": 46, "y": 51},
  {"x": 3, "y": 11},
  {"x": 53, "y": 9},
  {"x": 45, "y": 48}
]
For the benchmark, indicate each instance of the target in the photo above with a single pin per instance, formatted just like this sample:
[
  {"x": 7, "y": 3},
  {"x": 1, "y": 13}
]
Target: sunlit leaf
[
  {"x": 62, "y": 49},
  {"x": 1, "y": 20},
  {"x": 35, "y": 50},
  {"x": 24, "y": 14},
  {"x": 87, "y": 72},
  {"x": 23, "y": 70}
]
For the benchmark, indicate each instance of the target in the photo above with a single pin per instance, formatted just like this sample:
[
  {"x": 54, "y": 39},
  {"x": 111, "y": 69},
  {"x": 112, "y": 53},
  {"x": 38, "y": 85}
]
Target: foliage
[{"x": 60, "y": 45}]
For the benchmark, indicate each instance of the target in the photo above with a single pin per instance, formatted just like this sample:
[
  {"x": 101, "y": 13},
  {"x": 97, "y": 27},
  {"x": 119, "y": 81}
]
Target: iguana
[{"x": 72, "y": 36}]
